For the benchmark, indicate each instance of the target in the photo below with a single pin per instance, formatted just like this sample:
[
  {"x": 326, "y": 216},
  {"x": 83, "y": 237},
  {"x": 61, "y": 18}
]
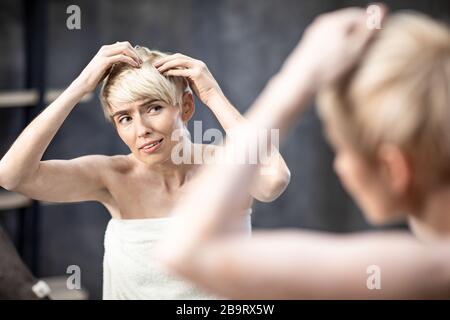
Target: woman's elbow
[
  {"x": 273, "y": 188},
  {"x": 176, "y": 262},
  {"x": 7, "y": 181},
  {"x": 171, "y": 262},
  {"x": 9, "y": 184}
]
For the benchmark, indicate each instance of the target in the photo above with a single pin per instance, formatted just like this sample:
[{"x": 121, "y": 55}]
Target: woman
[
  {"x": 138, "y": 189},
  {"x": 386, "y": 113}
]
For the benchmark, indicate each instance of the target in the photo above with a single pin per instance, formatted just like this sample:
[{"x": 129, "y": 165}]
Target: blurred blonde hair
[
  {"x": 126, "y": 84},
  {"x": 399, "y": 94}
]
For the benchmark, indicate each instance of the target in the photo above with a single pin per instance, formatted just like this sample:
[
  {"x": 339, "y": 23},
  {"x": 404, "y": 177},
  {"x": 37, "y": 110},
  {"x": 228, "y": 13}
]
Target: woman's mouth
[{"x": 152, "y": 147}]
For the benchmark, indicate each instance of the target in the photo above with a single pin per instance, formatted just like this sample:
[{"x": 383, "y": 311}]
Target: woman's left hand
[{"x": 195, "y": 71}]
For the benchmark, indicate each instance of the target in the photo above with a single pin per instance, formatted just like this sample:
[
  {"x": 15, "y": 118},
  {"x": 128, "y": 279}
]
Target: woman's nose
[{"x": 143, "y": 128}]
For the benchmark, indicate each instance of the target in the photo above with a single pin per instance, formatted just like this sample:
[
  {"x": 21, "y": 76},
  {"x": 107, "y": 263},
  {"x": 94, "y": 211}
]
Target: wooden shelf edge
[
  {"x": 22, "y": 98},
  {"x": 11, "y": 200}
]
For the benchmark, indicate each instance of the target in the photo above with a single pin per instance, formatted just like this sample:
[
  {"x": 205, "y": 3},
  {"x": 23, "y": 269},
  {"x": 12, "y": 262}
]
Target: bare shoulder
[
  {"x": 208, "y": 151},
  {"x": 210, "y": 146},
  {"x": 95, "y": 162},
  {"x": 119, "y": 163},
  {"x": 102, "y": 165},
  {"x": 107, "y": 169}
]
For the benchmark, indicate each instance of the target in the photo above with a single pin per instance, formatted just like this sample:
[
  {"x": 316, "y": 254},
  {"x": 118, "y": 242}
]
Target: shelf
[
  {"x": 17, "y": 98},
  {"x": 11, "y": 200},
  {"x": 21, "y": 98}
]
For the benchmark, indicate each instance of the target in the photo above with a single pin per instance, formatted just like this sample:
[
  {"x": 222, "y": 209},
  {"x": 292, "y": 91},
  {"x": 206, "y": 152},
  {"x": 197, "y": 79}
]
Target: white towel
[{"x": 130, "y": 270}]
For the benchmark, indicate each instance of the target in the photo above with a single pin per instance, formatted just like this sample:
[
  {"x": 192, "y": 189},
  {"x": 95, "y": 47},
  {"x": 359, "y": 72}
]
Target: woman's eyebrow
[
  {"x": 147, "y": 102},
  {"x": 120, "y": 112},
  {"x": 142, "y": 104}
]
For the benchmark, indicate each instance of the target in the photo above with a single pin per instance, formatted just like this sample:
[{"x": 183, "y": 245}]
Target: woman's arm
[
  {"x": 22, "y": 170},
  {"x": 273, "y": 175},
  {"x": 307, "y": 265}
]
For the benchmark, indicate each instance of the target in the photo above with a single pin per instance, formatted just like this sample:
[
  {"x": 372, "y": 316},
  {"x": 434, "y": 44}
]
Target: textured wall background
[{"x": 243, "y": 43}]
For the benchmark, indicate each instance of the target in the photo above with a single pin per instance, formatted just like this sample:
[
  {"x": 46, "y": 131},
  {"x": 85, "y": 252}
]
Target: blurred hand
[
  {"x": 106, "y": 57},
  {"x": 331, "y": 45},
  {"x": 195, "y": 71}
]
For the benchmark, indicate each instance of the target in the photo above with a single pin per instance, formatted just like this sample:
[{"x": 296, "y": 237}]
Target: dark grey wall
[{"x": 243, "y": 43}]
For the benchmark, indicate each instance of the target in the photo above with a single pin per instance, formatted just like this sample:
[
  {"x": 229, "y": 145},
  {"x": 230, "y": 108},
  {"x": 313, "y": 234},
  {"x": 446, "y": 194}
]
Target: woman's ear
[
  {"x": 188, "y": 107},
  {"x": 395, "y": 169}
]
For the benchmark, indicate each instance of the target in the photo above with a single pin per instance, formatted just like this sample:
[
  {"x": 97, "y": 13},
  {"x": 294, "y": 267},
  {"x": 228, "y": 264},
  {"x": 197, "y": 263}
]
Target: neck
[
  {"x": 433, "y": 221},
  {"x": 172, "y": 175}
]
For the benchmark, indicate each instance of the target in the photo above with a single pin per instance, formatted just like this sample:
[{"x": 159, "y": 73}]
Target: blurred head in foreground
[{"x": 389, "y": 120}]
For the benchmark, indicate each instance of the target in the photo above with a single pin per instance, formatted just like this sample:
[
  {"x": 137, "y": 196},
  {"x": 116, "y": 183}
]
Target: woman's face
[
  {"x": 362, "y": 181},
  {"x": 146, "y": 127}
]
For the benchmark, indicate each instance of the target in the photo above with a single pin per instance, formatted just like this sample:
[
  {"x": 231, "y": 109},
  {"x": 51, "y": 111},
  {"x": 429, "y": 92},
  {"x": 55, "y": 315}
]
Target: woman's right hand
[
  {"x": 332, "y": 44},
  {"x": 102, "y": 62}
]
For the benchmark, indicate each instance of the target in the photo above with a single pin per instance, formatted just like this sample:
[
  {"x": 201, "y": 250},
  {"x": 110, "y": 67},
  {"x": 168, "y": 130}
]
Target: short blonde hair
[
  {"x": 400, "y": 94},
  {"x": 125, "y": 83}
]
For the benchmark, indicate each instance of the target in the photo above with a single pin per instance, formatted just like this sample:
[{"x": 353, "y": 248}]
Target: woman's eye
[
  {"x": 124, "y": 120},
  {"x": 154, "y": 109}
]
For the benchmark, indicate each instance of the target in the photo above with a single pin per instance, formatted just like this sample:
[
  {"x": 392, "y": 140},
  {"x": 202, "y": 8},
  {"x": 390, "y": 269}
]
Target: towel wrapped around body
[{"x": 130, "y": 270}]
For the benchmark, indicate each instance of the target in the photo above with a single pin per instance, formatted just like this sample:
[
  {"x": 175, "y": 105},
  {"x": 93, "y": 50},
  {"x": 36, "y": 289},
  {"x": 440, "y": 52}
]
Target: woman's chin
[{"x": 151, "y": 159}]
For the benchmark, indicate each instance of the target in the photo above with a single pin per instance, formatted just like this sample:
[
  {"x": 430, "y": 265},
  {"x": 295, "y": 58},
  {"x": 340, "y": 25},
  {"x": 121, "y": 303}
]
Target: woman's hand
[
  {"x": 102, "y": 62},
  {"x": 195, "y": 71},
  {"x": 332, "y": 45}
]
